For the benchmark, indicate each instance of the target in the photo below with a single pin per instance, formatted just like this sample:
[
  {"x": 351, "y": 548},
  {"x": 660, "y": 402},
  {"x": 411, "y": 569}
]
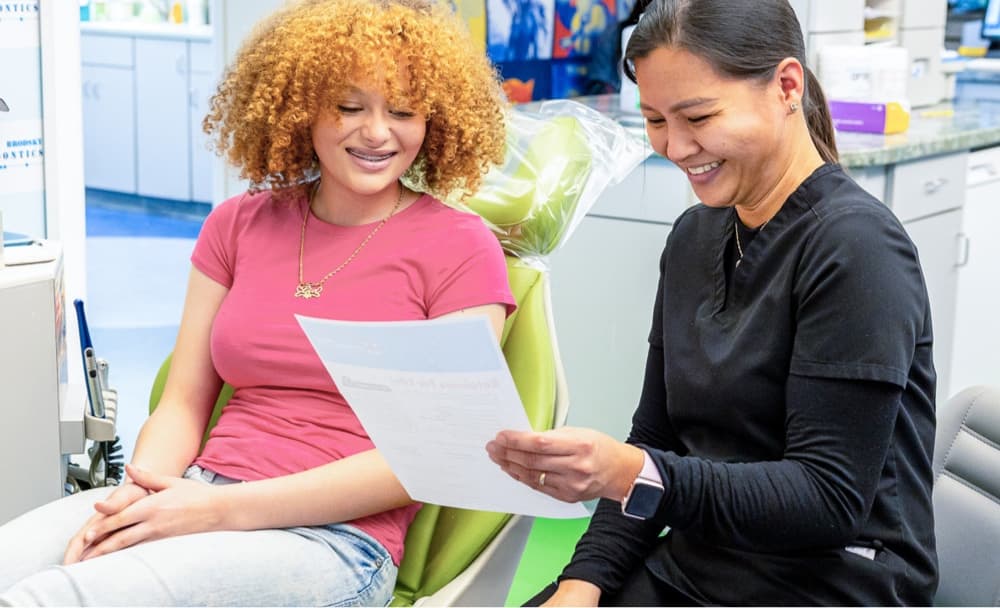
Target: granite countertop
[{"x": 935, "y": 130}]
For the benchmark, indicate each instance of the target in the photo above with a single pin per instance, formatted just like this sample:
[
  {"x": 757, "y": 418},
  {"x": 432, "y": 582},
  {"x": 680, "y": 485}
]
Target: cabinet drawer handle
[
  {"x": 932, "y": 186},
  {"x": 965, "y": 244},
  {"x": 990, "y": 168}
]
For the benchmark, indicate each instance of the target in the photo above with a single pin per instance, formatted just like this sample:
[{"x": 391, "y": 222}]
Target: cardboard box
[{"x": 867, "y": 117}]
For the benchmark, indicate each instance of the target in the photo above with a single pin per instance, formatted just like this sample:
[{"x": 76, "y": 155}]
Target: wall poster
[
  {"x": 579, "y": 24},
  {"x": 519, "y": 30},
  {"x": 22, "y": 153}
]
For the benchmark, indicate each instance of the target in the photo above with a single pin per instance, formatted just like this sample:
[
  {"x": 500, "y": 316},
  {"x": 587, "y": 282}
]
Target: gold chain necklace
[
  {"x": 739, "y": 247},
  {"x": 308, "y": 290}
]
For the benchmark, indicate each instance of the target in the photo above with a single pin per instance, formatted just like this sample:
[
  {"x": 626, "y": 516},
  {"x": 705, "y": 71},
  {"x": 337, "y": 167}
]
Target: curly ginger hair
[{"x": 298, "y": 63}]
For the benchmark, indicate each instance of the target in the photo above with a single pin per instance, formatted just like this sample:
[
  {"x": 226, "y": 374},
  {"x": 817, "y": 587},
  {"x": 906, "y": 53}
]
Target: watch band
[
  {"x": 649, "y": 471},
  {"x": 646, "y": 492}
]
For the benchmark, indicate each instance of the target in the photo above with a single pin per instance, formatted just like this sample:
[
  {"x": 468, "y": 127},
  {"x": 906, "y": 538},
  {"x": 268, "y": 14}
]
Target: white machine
[{"x": 42, "y": 414}]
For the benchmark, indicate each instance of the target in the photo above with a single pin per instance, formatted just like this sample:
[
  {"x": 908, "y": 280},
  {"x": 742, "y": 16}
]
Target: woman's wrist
[
  {"x": 223, "y": 500},
  {"x": 128, "y": 481},
  {"x": 575, "y": 592},
  {"x": 629, "y": 465}
]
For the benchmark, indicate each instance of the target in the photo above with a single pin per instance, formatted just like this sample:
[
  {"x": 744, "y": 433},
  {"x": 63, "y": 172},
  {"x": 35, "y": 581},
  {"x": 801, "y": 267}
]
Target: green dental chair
[{"x": 461, "y": 557}]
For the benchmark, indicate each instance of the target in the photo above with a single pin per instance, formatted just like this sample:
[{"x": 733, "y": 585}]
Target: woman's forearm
[
  {"x": 171, "y": 437},
  {"x": 344, "y": 490},
  {"x": 168, "y": 441}
]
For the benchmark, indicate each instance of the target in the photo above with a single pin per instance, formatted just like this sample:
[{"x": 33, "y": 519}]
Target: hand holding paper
[
  {"x": 578, "y": 463},
  {"x": 431, "y": 394}
]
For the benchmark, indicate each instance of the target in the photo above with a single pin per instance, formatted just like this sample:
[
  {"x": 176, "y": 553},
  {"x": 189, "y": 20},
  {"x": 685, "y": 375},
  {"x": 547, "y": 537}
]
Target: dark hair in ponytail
[
  {"x": 739, "y": 39},
  {"x": 818, "y": 118}
]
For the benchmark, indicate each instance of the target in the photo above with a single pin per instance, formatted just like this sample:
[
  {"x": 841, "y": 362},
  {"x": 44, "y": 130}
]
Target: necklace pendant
[{"x": 308, "y": 290}]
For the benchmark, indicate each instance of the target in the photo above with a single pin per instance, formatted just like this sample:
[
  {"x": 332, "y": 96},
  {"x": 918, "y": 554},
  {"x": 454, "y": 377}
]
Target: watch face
[{"x": 644, "y": 500}]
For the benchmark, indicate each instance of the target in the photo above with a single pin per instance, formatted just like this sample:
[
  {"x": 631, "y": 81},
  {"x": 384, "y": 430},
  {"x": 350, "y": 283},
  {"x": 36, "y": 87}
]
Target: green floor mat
[{"x": 549, "y": 548}]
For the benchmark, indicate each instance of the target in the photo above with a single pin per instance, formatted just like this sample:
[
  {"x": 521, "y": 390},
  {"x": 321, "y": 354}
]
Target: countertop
[
  {"x": 934, "y": 130},
  {"x": 140, "y": 29}
]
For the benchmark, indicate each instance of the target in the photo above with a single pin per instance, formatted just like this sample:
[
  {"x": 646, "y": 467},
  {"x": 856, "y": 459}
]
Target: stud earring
[{"x": 793, "y": 107}]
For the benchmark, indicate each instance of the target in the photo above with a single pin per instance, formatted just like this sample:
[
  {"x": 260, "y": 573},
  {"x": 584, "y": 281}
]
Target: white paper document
[{"x": 431, "y": 394}]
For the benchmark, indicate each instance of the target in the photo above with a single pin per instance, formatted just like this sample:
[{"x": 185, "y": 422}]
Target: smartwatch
[{"x": 646, "y": 493}]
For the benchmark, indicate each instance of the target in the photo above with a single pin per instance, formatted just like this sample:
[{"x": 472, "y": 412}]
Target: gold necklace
[
  {"x": 308, "y": 290},
  {"x": 739, "y": 247}
]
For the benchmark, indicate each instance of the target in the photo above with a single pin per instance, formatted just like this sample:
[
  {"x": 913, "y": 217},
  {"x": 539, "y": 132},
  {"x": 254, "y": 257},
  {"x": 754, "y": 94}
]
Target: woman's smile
[
  {"x": 702, "y": 174},
  {"x": 371, "y": 160},
  {"x": 704, "y": 168}
]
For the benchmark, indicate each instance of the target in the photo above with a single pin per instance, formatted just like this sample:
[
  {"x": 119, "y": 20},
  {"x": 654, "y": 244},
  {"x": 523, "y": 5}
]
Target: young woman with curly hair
[{"x": 329, "y": 107}]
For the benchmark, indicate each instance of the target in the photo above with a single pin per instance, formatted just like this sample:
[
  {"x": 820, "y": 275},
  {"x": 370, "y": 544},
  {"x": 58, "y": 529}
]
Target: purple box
[{"x": 869, "y": 117}]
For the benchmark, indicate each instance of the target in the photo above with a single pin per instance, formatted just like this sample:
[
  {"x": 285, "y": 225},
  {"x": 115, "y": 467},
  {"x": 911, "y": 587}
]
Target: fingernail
[{"x": 89, "y": 536}]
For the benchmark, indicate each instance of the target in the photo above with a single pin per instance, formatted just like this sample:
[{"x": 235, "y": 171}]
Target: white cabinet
[
  {"x": 655, "y": 191},
  {"x": 603, "y": 289},
  {"x": 927, "y": 198},
  {"x": 917, "y": 25},
  {"x": 109, "y": 109},
  {"x": 927, "y": 195},
  {"x": 840, "y": 16},
  {"x": 827, "y": 23},
  {"x": 925, "y": 13},
  {"x": 143, "y": 102},
  {"x": 924, "y": 187},
  {"x": 202, "y": 84},
  {"x": 922, "y": 26},
  {"x": 938, "y": 241},
  {"x": 833, "y": 24},
  {"x": 976, "y": 357},
  {"x": 162, "y": 132},
  {"x": 926, "y": 85},
  {"x": 882, "y": 20},
  {"x": 872, "y": 179}
]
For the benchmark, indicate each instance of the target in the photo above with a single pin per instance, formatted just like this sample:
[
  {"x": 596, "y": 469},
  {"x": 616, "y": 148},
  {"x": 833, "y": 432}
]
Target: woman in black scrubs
[{"x": 786, "y": 425}]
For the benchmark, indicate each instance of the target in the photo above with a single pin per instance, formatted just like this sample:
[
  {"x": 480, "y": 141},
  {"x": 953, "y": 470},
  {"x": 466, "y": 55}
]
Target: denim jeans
[{"x": 333, "y": 565}]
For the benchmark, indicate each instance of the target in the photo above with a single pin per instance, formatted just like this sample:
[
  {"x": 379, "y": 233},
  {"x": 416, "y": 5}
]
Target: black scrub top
[{"x": 742, "y": 411}]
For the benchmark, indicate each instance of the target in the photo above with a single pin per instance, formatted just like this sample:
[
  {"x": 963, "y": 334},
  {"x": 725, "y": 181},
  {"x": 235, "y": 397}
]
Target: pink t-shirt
[{"x": 286, "y": 415}]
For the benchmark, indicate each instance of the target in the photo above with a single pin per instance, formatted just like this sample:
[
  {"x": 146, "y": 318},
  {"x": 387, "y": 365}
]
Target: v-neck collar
[{"x": 753, "y": 251}]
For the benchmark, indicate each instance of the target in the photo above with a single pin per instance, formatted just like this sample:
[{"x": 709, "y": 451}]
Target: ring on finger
[{"x": 541, "y": 479}]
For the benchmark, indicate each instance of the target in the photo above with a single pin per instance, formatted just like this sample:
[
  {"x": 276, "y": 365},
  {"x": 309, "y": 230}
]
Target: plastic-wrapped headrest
[{"x": 559, "y": 160}]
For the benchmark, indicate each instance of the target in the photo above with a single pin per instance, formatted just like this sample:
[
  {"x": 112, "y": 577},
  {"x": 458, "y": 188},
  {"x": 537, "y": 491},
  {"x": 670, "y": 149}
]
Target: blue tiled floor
[
  {"x": 115, "y": 214},
  {"x": 137, "y": 264}
]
